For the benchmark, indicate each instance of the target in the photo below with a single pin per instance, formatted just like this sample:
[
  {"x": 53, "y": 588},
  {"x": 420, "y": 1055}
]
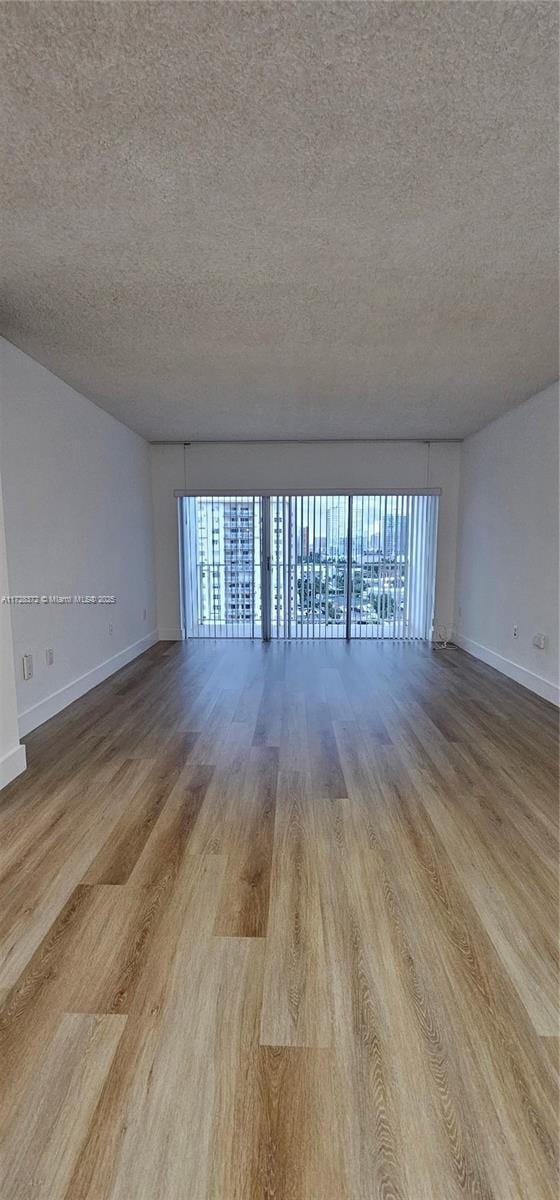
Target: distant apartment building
[
  {"x": 240, "y": 582},
  {"x": 229, "y": 584}
]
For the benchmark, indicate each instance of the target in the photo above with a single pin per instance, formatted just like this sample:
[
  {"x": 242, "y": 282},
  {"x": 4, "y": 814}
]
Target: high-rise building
[
  {"x": 395, "y": 534},
  {"x": 210, "y": 537},
  {"x": 241, "y": 577},
  {"x": 229, "y": 581}
]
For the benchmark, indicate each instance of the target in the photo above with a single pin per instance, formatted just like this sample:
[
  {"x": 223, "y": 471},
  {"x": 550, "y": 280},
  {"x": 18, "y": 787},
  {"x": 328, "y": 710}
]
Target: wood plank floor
[{"x": 281, "y": 923}]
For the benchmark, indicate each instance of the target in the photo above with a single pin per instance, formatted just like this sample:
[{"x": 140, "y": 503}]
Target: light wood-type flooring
[{"x": 281, "y": 923}]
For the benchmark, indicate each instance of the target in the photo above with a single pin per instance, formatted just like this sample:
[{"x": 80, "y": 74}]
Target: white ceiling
[{"x": 283, "y": 220}]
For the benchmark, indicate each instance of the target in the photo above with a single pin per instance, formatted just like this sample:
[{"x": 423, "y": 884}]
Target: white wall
[
  {"x": 508, "y": 544},
  {"x": 12, "y": 754},
  {"x": 284, "y": 465},
  {"x": 167, "y": 468},
  {"x": 78, "y": 520}
]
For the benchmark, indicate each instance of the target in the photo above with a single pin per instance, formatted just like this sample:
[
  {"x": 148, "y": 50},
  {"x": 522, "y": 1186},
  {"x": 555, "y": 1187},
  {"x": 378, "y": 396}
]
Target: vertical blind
[
  {"x": 309, "y": 584},
  {"x": 310, "y": 566}
]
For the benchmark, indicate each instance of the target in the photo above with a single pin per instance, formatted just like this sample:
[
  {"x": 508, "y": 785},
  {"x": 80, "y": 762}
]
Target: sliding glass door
[
  {"x": 309, "y": 566},
  {"x": 222, "y": 566},
  {"x": 393, "y": 551}
]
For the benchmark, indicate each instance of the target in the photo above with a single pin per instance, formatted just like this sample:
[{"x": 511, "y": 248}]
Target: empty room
[{"x": 279, "y": 600}]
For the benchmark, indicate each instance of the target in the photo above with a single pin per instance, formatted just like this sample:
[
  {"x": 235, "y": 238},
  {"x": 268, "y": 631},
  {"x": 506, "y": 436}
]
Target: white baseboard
[
  {"x": 171, "y": 635},
  {"x": 12, "y": 764},
  {"x": 529, "y": 679},
  {"x": 53, "y": 704}
]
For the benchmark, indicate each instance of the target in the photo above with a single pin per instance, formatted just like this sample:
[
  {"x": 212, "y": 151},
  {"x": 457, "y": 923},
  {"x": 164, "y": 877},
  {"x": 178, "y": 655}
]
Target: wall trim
[
  {"x": 171, "y": 635},
  {"x": 529, "y": 679},
  {"x": 372, "y": 491},
  {"x": 305, "y": 441},
  {"x": 12, "y": 764},
  {"x": 31, "y": 717}
]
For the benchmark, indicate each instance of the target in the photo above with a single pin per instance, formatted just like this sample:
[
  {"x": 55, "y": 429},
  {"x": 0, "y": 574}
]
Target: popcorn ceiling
[{"x": 283, "y": 220}]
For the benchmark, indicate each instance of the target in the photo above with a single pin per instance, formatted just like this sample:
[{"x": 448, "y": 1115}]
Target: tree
[{"x": 384, "y": 605}]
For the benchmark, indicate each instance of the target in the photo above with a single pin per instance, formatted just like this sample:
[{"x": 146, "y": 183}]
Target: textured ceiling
[{"x": 283, "y": 220}]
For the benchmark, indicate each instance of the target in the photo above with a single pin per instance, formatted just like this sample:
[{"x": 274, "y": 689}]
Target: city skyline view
[{"x": 279, "y": 566}]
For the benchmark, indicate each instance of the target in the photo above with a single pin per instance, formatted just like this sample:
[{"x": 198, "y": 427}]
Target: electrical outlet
[
  {"x": 516, "y": 631},
  {"x": 110, "y": 627},
  {"x": 27, "y": 664},
  {"x": 145, "y": 614},
  {"x": 49, "y": 657}
]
